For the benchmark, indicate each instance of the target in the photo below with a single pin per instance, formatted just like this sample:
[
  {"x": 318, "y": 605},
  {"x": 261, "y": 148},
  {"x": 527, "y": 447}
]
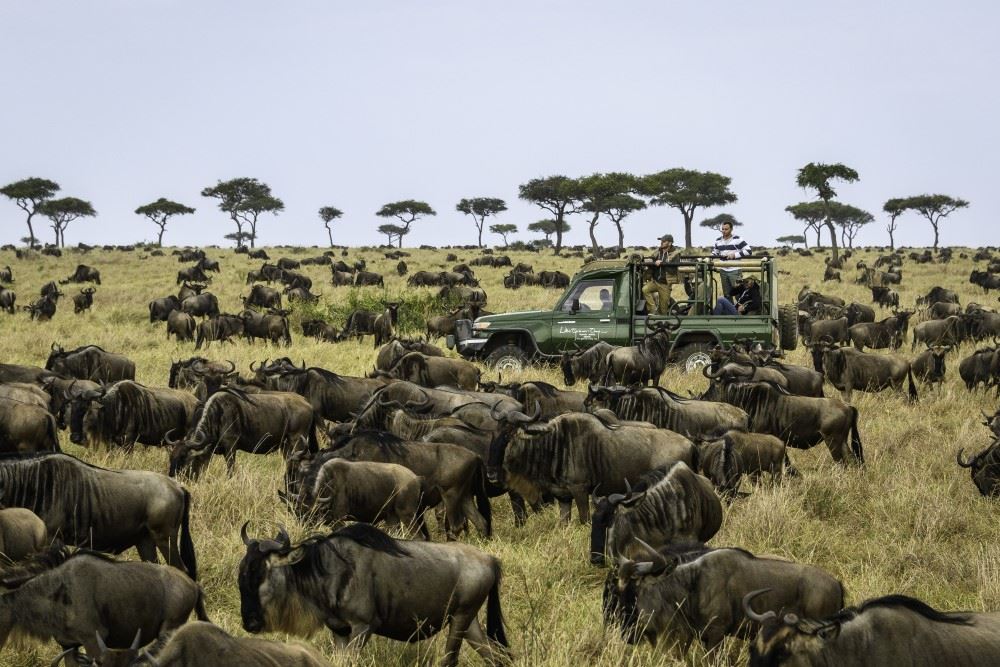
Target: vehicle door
[{"x": 586, "y": 315}]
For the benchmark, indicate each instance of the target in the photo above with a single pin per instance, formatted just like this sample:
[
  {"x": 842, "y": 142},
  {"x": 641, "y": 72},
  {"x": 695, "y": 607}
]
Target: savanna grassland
[{"x": 909, "y": 522}]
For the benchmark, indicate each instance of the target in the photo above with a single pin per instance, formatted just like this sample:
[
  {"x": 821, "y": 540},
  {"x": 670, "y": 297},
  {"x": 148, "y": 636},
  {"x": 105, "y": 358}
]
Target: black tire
[
  {"x": 693, "y": 356},
  {"x": 508, "y": 358},
  {"x": 788, "y": 326}
]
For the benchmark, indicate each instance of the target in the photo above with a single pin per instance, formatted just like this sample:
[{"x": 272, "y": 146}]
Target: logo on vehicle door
[{"x": 590, "y": 333}]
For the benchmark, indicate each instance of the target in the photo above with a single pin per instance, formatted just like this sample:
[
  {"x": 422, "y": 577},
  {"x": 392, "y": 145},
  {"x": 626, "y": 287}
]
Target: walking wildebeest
[
  {"x": 127, "y": 412},
  {"x": 83, "y": 274},
  {"x": 385, "y": 324},
  {"x": 89, "y": 362},
  {"x": 664, "y": 409},
  {"x": 84, "y": 300}
]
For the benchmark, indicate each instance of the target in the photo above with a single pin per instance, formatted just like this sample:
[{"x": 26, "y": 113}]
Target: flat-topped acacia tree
[
  {"x": 481, "y": 208},
  {"x": 160, "y": 211},
  {"x": 61, "y": 212},
  {"x": 407, "y": 211},
  {"x": 818, "y": 176},
  {"x": 328, "y": 214},
  {"x": 244, "y": 199},
  {"x": 503, "y": 230},
  {"x": 559, "y": 195},
  {"x": 29, "y": 194},
  {"x": 687, "y": 190}
]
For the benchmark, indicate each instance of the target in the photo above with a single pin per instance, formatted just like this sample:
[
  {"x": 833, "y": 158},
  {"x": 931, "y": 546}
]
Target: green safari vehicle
[{"x": 604, "y": 302}]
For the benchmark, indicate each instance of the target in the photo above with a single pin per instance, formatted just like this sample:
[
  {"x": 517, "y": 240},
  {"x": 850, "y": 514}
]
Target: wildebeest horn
[
  {"x": 283, "y": 538},
  {"x": 628, "y": 488},
  {"x": 706, "y": 370},
  {"x": 967, "y": 464},
  {"x": 232, "y": 367},
  {"x": 516, "y": 417},
  {"x": 100, "y": 642},
  {"x": 62, "y": 655},
  {"x": 252, "y": 370},
  {"x": 243, "y": 533},
  {"x": 167, "y": 439},
  {"x": 425, "y": 401},
  {"x": 748, "y": 609},
  {"x": 137, "y": 640}
]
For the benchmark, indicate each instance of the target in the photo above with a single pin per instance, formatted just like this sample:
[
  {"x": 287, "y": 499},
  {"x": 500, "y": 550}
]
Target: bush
[{"x": 415, "y": 306}]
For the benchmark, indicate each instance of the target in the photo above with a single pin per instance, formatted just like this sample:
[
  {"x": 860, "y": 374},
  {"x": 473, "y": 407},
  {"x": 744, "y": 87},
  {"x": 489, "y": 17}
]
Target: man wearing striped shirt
[{"x": 729, "y": 246}]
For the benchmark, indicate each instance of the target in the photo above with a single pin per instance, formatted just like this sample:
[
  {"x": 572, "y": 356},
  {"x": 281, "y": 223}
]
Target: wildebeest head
[
  {"x": 189, "y": 455},
  {"x": 56, "y": 355},
  {"x": 79, "y": 404},
  {"x": 605, "y": 509},
  {"x": 993, "y": 423},
  {"x": 508, "y": 423},
  {"x": 254, "y": 593},
  {"x": 985, "y": 468},
  {"x": 603, "y": 397}
]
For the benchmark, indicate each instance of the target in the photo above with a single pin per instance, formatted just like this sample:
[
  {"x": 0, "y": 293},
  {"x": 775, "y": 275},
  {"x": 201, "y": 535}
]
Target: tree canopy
[
  {"x": 328, "y": 214},
  {"x": 547, "y": 227},
  {"x": 609, "y": 195},
  {"x": 393, "y": 232},
  {"x": 559, "y": 195},
  {"x": 819, "y": 176},
  {"x": 481, "y": 208},
  {"x": 244, "y": 199},
  {"x": 792, "y": 239},
  {"x": 503, "y": 230},
  {"x": 717, "y": 221},
  {"x": 29, "y": 194},
  {"x": 895, "y": 208},
  {"x": 687, "y": 190},
  {"x": 160, "y": 211},
  {"x": 407, "y": 212},
  {"x": 934, "y": 208},
  {"x": 63, "y": 211}
]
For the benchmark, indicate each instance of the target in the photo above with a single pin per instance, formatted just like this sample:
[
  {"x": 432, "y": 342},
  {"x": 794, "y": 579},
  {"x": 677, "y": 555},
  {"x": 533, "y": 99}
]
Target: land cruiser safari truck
[{"x": 582, "y": 316}]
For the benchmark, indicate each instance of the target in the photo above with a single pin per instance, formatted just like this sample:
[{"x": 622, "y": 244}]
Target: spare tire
[{"x": 788, "y": 326}]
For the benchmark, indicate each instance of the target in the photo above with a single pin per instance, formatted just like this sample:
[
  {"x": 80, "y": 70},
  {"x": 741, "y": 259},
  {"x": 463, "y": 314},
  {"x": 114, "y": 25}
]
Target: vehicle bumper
[{"x": 471, "y": 348}]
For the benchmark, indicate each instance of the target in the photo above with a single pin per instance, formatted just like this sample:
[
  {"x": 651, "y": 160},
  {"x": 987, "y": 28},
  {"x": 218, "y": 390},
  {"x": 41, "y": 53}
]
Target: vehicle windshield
[{"x": 592, "y": 295}]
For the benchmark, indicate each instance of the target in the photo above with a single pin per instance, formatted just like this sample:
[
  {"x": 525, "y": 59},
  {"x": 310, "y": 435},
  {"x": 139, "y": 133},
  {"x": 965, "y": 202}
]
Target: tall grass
[{"x": 910, "y": 521}]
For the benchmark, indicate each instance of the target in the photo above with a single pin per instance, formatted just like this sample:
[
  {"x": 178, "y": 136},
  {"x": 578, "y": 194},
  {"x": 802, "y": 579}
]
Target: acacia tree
[
  {"x": 559, "y": 195},
  {"x": 934, "y": 207},
  {"x": 687, "y": 190},
  {"x": 244, "y": 199},
  {"x": 716, "y": 222},
  {"x": 895, "y": 208},
  {"x": 160, "y": 211},
  {"x": 328, "y": 214},
  {"x": 239, "y": 238},
  {"x": 792, "y": 239},
  {"x": 850, "y": 219},
  {"x": 817, "y": 176},
  {"x": 547, "y": 227},
  {"x": 407, "y": 212},
  {"x": 481, "y": 208},
  {"x": 503, "y": 230},
  {"x": 393, "y": 232},
  {"x": 812, "y": 215},
  {"x": 29, "y": 195},
  {"x": 61, "y": 212},
  {"x": 609, "y": 195}
]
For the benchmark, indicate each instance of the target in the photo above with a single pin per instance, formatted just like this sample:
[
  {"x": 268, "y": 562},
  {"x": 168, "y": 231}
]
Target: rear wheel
[
  {"x": 693, "y": 357},
  {"x": 507, "y": 358},
  {"x": 788, "y": 326}
]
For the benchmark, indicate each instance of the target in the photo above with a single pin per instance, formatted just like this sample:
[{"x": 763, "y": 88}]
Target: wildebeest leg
[
  {"x": 359, "y": 636},
  {"x": 455, "y": 519},
  {"x": 147, "y": 549},
  {"x": 565, "y": 510},
  {"x": 460, "y": 623},
  {"x": 491, "y": 653},
  {"x": 470, "y": 510},
  {"x": 518, "y": 506},
  {"x": 582, "y": 498}
]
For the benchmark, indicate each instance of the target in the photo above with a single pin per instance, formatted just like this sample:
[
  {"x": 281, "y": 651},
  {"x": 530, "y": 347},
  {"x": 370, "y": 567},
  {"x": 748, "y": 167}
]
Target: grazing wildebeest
[
  {"x": 181, "y": 325},
  {"x": 6, "y": 275},
  {"x": 332, "y": 396},
  {"x": 218, "y": 328},
  {"x": 342, "y": 278},
  {"x": 891, "y": 630},
  {"x": 88, "y": 600},
  {"x": 885, "y": 297},
  {"x": 7, "y": 300},
  {"x": 90, "y": 362},
  {"x": 696, "y": 593},
  {"x": 269, "y": 327},
  {"x": 259, "y": 253},
  {"x": 321, "y": 330},
  {"x": 368, "y": 278},
  {"x": 26, "y": 428},
  {"x": 397, "y": 348},
  {"x": 664, "y": 409},
  {"x": 385, "y": 324},
  {"x": 83, "y": 274},
  {"x": 160, "y": 309},
  {"x": 201, "y": 305},
  {"x": 22, "y": 534},
  {"x": 206, "y": 264},
  {"x": 980, "y": 367},
  {"x": 189, "y": 255},
  {"x": 890, "y": 332},
  {"x": 984, "y": 467},
  {"x": 667, "y": 506},
  {"x": 357, "y": 581},
  {"x": 947, "y": 331},
  {"x": 107, "y": 510},
  {"x": 301, "y": 294},
  {"x": 262, "y": 296},
  {"x": 575, "y": 453},
  {"x": 192, "y": 273},
  {"x": 43, "y": 309},
  {"x": 232, "y": 420},
  {"x": 848, "y": 369},
  {"x": 84, "y": 300},
  {"x": 127, "y": 412},
  {"x": 287, "y": 263},
  {"x": 434, "y": 371},
  {"x": 190, "y": 289},
  {"x": 938, "y": 295},
  {"x": 725, "y": 459}
]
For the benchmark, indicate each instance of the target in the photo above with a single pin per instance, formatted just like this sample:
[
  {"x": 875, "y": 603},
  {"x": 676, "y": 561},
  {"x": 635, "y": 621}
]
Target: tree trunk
[
  {"x": 479, "y": 226},
  {"x": 934, "y": 224},
  {"x": 559, "y": 227},
  {"x": 329, "y": 234},
  {"x": 892, "y": 242},
  {"x": 159, "y": 238},
  {"x": 593, "y": 239},
  {"x": 31, "y": 232},
  {"x": 56, "y": 228},
  {"x": 819, "y": 239},
  {"x": 621, "y": 235},
  {"x": 253, "y": 233},
  {"x": 688, "y": 219},
  {"x": 833, "y": 241}
]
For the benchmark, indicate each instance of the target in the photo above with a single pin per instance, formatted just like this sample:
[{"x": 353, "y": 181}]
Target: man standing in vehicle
[
  {"x": 729, "y": 246},
  {"x": 664, "y": 276}
]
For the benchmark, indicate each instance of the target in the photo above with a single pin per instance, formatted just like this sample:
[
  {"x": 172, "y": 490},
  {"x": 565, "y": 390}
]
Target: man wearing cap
[{"x": 664, "y": 275}]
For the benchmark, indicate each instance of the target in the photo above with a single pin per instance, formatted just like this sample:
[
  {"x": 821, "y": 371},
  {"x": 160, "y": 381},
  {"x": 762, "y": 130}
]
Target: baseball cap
[{"x": 667, "y": 237}]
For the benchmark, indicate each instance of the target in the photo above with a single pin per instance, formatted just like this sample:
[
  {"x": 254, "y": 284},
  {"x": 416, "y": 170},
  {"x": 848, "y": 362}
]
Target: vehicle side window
[{"x": 593, "y": 295}]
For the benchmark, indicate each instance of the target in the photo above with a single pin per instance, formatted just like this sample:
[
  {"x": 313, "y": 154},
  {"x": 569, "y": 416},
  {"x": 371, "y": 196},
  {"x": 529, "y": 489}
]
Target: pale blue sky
[{"x": 357, "y": 104}]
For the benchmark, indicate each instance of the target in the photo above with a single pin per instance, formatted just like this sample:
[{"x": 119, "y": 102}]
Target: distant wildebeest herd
[{"x": 424, "y": 435}]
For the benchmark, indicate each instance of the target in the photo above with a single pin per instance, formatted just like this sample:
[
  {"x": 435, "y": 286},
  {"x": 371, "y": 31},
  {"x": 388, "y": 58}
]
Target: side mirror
[{"x": 575, "y": 306}]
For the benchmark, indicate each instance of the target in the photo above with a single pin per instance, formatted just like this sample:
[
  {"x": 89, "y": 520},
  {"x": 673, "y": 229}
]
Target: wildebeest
[
  {"x": 550, "y": 400},
  {"x": 831, "y": 274},
  {"x": 941, "y": 310},
  {"x": 192, "y": 273},
  {"x": 107, "y": 510},
  {"x": 725, "y": 459},
  {"x": 259, "y": 253},
  {"x": 190, "y": 289},
  {"x": 268, "y": 326},
  {"x": 6, "y": 275},
  {"x": 341, "y": 278},
  {"x": 287, "y": 263},
  {"x": 206, "y": 264},
  {"x": 232, "y": 420},
  {"x": 84, "y": 300},
  {"x": 575, "y": 453},
  {"x": 889, "y": 332},
  {"x": 885, "y": 297},
  {"x": 664, "y": 409},
  {"x": 301, "y": 294},
  {"x": 83, "y": 274},
  {"x": 980, "y": 367},
  {"x": 7, "y": 300},
  {"x": 667, "y": 506},
  {"x": 439, "y": 326},
  {"x": 451, "y": 474},
  {"x": 424, "y": 279},
  {"x": 385, "y": 324},
  {"x": 985, "y": 279},
  {"x": 262, "y": 296},
  {"x": 189, "y": 254},
  {"x": 397, "y": 348},
  {"x": 836, "y": 329},
  {"x": 181, "y": 325},
  {"x": 947, "y": 331},
  {"x": 357, "y": 581},
  {"x": 160, "y": 309},
  {"x": 321, "y": 330},
  {"x": 89, "y": 362},
  {"x": 929, "y": 366},
  {"x": 434, "y": 371},
  {"x": 359, "y": 323},
  {"x": 800, "y": 421},
  {"x": 891, "y": 630},
  {"x": 848, "y": 369},
  {"x": 88, "y": 600},
  {"x": 401, "y": 268},
  {"x": 201, "y": 305},
  {"x": 368, "y": 278},
  {"x": 26, "y": 428},
  {"x": 697, "y": 593},
  {"x": 22, "y": 534},
  {"x": 186, "y": 374},
  {"x": 984, "y": 468},
  {"x": 43, "y": 309},
  {"x": 645, "y": 361},
  {"x": 332, "y": 396},
  {"x": 938, "y": 295},
  {"x": 128, "y": 412},
  {"x": 201, "y": 644},
  {"x": 218, "y": 328}
]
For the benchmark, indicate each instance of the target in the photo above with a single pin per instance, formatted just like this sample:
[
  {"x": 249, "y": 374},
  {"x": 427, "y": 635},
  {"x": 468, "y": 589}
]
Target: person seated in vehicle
[
  {"x": 606, "y": 299},
  {"x": 663, "y": 277},
  {"x": 744, "y": 299}
]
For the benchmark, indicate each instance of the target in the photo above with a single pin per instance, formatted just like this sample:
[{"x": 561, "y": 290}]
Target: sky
[{"x": 358, "y": 104}]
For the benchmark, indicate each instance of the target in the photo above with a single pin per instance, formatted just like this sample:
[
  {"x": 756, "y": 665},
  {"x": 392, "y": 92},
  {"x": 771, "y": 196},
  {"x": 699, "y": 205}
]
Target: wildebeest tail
[
  {"x": 52, "y": 433},
  {"x": 187, "y": 546},
  {"x": 288, "y": 333},
  {"x": 856, "y": 448},
  {"x": 911, "y": 388},
  {"x": 494, "y": 615},
  {"x": 199, "y": 607},
  {"x": 483, "y": 498}
]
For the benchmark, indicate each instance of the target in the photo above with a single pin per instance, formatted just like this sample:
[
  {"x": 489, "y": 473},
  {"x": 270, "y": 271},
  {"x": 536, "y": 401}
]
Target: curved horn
[
  {"x": 706, "y": 370},
  {"x": 167, "y": 439},
  {"x": 652, "y": 552},
  {"x": 243, "y": 533},
  {"x": 137, "y": 640},
  {"x": 966, "y": 464},
  {"x": 252, "y": 369},
  {"x": 748, "y": 608},
  {"x": 232, "y": 367},
  {"x": 628, "y": 488},
  {"x": 425, "y": 401},
  {"x": 100, "y": 643},
  {"x": 283, "y": 538},
  {"x": 55, "y": 661}
]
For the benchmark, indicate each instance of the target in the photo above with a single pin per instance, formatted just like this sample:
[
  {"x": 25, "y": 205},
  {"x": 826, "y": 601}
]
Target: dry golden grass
[{"x": 910, "y": 521}]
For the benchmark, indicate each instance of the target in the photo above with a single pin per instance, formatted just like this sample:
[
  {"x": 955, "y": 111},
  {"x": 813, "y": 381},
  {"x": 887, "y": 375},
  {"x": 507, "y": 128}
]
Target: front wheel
[
  {"x": 507, "y": 358},
  {"x": 693, "y": 357},
  {"x": 788, "y": 326}
]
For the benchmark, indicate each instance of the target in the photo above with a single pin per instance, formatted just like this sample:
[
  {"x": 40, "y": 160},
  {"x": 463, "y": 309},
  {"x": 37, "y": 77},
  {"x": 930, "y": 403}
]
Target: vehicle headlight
[{"x": 480, "y": 326}]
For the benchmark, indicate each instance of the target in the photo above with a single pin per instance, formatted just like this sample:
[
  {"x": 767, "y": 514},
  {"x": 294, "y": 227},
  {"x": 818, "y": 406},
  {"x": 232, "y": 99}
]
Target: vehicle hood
[{"x": 504, "y": 318}]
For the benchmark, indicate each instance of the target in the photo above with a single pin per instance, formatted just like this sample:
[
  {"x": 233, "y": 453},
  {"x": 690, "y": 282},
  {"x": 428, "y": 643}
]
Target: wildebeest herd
[{"x": 404, "y": 463}]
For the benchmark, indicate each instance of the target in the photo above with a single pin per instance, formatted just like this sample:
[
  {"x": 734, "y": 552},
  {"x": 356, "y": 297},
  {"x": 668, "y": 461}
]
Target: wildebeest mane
[
  {"x": 329, "y": 376},
  {"x": 384, "y": 440},
  {"x": 54, "y": 556},
  {"x": 370, "y": 537},
  {"x": 548, "y": 390},
  {"x": 672, "y": 395},
  {"x": 896, "y": 601}
]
